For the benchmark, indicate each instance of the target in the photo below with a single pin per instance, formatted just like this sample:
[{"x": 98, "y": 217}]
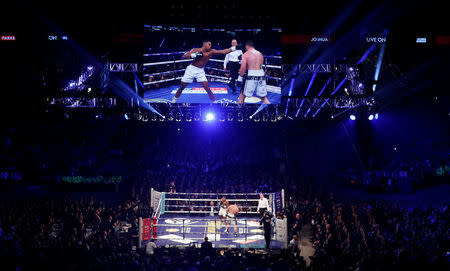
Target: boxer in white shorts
[
  {"x": 223, "y": 204},
  {"x": 192, "y": 72},
  {"x": 195, "y": 70},
  {"x": 231, "y": 218},
  {"x": 252, "y": 64}
]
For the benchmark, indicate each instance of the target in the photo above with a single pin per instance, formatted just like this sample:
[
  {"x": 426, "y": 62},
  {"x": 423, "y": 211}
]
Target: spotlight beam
[
  {"x": 300, "y": 107},
  {"x": 261, "y": 107},
  {"x": 321, "y": 107},
  {"x": 138, "y": 80},
  {"x": 320, "y": 93},
  {"x": 123, "y": 90},
  {"x": 367, "y": 53},
  {"x": 290, "y": 94},
  {"x": 309, "y": 109},
  {"x": 306, "y": 92},
  {"x": 339, "y": 86},
  {"x": 164, "y": 39},
  {"x": 345, "y": 110},
  {"x": 291, "y": 87},
  {"x": 379, "y": 62},
  {"x": 325, "y": 86},
  {"x": 310, "y": 83}
]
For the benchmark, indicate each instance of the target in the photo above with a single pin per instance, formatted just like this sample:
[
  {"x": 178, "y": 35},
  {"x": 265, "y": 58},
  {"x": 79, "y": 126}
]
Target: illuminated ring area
[
  {"x": 187, "y": 218},
  {"x": 173, "y": 70},
  {"x": 207, "y": 203}
]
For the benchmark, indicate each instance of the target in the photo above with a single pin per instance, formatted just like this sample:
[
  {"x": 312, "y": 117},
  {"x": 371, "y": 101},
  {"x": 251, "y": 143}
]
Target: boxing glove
[{"x": 197, "y": 55}]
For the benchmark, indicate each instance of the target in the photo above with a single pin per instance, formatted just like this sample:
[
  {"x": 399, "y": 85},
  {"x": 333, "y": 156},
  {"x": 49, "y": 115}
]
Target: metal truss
[
  {"x": 82, "y": 102},
  {"x": 321, "y": 68},
  {"x": 337, "y": 101},
  {"x": 290, "y": 108},
  {"x": 315, "y": 68},
  {"x": 125, "y": 67}
]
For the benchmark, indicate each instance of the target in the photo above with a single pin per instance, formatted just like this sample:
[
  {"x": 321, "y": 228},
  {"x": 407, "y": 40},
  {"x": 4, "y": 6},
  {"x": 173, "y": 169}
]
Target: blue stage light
[
  {"x": 380, "y": 61},
  {"x": 126, "y": 116},
  {"x": 370, "y": 117},
  {"x": 352, "y": 117},
  {"x": 376, "y": 116},
  {"x": 210, "y": 116},
  {"x": 90, "y": 68}
]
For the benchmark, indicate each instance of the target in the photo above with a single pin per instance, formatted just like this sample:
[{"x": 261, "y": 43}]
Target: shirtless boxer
[
  {"x": 252, "y": 63},
  {"x": 195, "y": 70},
  {"x": 232, "y": 211}
]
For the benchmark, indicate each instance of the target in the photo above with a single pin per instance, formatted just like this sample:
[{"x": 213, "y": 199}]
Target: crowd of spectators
[
  {"x": 415, "y": 166},
  {"x": 370, "y": 235},
  {"x": 88, "y": 234},
  {"x": 435, "y": 166},
  {"x": 421, "y": 159},
  {"x": 32, "y": 230}
]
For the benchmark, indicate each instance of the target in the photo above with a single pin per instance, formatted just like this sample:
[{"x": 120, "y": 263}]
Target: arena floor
[
  {"x": 170, "y": 232},
  {"x": 194, "y": 93}
]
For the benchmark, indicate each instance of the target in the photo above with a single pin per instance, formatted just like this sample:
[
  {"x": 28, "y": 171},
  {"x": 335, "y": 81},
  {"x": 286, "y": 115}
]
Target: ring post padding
[{"x": 163, "y": 202}]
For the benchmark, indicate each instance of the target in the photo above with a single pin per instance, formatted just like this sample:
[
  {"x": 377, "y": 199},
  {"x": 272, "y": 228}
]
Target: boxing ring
[
  {"x": 163, "y": 71},
  {"x": 185, "y": 219}
]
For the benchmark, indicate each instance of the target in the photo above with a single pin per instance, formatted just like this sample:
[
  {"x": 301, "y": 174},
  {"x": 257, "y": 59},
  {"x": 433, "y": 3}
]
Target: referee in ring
[
  {"x": 263, "y": 206},
  {"x": 232, "y": 64}
]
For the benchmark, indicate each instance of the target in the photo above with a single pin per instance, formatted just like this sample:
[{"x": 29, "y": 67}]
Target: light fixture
[{"x": 210, "y": 116}]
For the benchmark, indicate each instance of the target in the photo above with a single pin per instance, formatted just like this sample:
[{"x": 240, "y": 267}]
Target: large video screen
[{"x": 212, "y": 65}]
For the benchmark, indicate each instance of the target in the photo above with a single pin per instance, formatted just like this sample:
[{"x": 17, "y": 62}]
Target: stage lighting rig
[
  {"x": 189, "y": 116},
  {"x": 230, "y": 116},
  {"x": 352, "y": 73}
]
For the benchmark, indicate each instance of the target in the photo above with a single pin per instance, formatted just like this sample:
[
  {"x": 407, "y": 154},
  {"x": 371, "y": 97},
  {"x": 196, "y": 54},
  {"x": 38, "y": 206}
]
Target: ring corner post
[
  {"x": 184, "y": 230},
  {"x": 163, "y": 202}
]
